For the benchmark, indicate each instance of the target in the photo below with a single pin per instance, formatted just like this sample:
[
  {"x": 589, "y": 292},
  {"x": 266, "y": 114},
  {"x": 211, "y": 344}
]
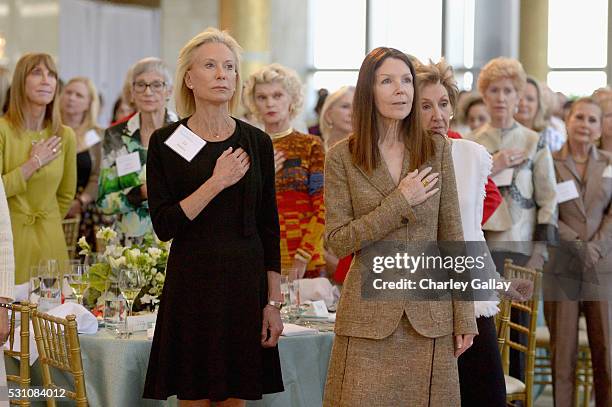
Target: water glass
[
  {"x": 115, "y": 309},
  {"x": 294, "y": 299},
  {"x": 50, "y": 287}
]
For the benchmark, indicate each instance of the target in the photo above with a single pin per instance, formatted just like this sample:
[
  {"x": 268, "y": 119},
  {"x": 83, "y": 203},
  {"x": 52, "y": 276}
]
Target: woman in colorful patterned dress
[
  {"x": 274, "y": 95},
  {"x": 122, "y": 189}
]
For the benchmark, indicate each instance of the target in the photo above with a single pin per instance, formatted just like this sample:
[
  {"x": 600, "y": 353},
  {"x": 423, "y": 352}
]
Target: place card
[
  {"x": 607, "y": 172},
  {"x": 566, "y": 191},
  {"x": 137, "y": 323},
  {"x": 92, "y": 138},
  {"x": 503, "y": 178},
  {"x": 185, "y": 143}
]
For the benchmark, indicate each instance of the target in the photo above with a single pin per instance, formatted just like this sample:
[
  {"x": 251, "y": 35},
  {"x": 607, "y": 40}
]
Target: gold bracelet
[{"x": 37, "y": 158}]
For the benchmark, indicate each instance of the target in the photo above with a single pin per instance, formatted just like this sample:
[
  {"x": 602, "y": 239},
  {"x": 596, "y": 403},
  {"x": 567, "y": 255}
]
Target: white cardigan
[
  {"x": 7, "y": 258},
  {"x": 472, "y": 165}
]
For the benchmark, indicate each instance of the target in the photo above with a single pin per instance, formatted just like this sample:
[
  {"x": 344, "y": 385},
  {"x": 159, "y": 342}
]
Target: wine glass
[
  {"x": 49, "y": 284},
  {"x": 78, "y": 279},
  {"x": 130, "y": 284}
]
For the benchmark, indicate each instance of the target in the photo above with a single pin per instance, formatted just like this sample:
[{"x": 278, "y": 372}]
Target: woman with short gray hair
[{"x": 122, "y": 188}]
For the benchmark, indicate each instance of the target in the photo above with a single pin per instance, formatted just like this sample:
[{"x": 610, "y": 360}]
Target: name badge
[
  {"x": 503, "y": 178},
  {"x": 128, "y": 163},
  {"x": 566, "y": 191},
  {"x": 607, "y": 172},
  {"x": 185, "y": 143},
  {"x": 92, "y": 138}
]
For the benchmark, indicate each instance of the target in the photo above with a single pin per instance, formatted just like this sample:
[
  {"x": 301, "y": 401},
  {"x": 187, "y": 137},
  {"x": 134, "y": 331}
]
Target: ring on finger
[
  {"x": 54, "y": 150},
  {"x": 425, "y": 182}
]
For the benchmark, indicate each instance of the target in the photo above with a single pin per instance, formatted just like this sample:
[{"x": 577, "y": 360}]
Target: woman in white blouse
[{"x": 7, "y": 264}]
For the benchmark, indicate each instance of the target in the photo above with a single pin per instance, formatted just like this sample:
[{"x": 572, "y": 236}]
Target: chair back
[
  {"x": 23, "y": 379},
  {"x": 71, "y": 234},
  {"x": 58, "y": 345},
  {"x": 528, "y": 330}
]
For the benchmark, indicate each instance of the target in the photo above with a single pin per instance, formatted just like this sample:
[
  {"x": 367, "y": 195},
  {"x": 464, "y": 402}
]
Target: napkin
[
  {"x": 21, "y": 292},
  {"x": 314, "y": 289},
  {"x": 86, "y": 321},
  {"x": 297, "y": 330}
]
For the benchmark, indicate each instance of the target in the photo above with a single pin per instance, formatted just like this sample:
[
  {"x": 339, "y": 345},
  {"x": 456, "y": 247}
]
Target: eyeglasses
[{"x": 156, "y": 86}]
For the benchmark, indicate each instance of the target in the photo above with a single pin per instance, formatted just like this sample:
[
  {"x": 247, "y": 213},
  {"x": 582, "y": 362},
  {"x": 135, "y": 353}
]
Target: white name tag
[
  {"x": 503, "y": 178},
  {"x": 608, "y": 172},
  {"x": 128, "y": 163},
  {"x": 566, "y": 191},
  {"x": 92, "y": 138},
  {"x": 185, "y": 143}
]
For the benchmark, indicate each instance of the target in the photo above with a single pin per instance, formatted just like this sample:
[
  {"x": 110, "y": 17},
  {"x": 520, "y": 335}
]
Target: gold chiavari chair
[
  {"x": 516, "y": 390},
  {"x": 71, "y": 234},
  {"x": 58, "y": 345},
  {"x": 23, "y": 378}
]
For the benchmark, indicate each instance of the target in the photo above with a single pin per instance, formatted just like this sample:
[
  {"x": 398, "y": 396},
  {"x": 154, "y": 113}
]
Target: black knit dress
[{"x": 207, "y": 336}]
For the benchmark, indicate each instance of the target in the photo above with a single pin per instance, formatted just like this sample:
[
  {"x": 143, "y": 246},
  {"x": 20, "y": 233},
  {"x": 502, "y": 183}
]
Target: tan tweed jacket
[{"x": 361, "y": 207}]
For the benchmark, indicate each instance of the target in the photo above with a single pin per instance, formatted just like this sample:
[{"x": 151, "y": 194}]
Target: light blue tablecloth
[{"x": 115, "y": 371}]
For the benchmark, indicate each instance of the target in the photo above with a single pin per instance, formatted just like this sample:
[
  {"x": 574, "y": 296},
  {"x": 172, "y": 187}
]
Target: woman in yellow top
[{"x": 38, "y": 164}]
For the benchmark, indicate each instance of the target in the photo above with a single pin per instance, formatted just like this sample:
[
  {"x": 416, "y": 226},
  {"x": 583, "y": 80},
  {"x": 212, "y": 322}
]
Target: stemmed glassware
[
  {"x": 78, "y": 279},
  {"x": 49, "y": 284},
  {"x": 130, "y": 284}
]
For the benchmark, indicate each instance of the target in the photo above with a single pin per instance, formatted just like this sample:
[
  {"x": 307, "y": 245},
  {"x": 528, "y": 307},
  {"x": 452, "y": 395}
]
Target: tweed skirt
[{"x": 403, "y": 369}]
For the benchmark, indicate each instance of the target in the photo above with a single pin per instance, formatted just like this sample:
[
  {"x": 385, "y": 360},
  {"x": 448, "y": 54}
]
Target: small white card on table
[
  {"x": 185, "y": 143},
  {"x": 566, "y": 191},
  {"x": 504, "y": 177},
  {"x": 128, "y": 163}
]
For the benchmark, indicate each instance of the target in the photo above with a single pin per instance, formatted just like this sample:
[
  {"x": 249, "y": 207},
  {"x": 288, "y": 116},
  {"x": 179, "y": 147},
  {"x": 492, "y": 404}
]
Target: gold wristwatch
[{"x": 276, "y": 304}]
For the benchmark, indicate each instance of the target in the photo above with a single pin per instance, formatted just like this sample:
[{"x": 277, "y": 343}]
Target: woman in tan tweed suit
[{"x": 391, "y": 181}]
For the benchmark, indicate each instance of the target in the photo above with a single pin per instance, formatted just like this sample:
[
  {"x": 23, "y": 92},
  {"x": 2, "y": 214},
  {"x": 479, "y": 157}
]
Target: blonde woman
[
  {"x": 38, "y": 164},
  {"x": 219, "y": 319},
  {"x": 336, "y": 116},
  {"x": 79, "y": 106},
  {"x": 274, "y": 95}
]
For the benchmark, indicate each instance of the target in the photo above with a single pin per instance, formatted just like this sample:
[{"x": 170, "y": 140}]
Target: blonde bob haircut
[
  {"x": 502, "y": 68},
  {"x": 18, "y": 99},
  {"x": 90, "y": 119},
  {"x": 289, "y": 80},
  {"x": 330, "y": 100},
  {"x": 185, "y": 101},
  {"x": 438, "y": 73}
]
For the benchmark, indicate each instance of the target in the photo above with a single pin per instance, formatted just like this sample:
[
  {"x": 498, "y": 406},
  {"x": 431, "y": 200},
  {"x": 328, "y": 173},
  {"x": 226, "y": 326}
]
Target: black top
[
  {"x": 84, "y": 166},
  {"x": 207, "y": 336}
]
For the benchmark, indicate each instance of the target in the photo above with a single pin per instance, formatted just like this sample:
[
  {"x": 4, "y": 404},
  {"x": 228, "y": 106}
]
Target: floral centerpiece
[{"x": 149, "y": 257}]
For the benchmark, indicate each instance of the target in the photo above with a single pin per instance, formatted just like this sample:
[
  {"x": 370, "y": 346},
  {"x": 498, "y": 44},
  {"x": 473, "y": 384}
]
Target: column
[{"x": 534, "y": 38}]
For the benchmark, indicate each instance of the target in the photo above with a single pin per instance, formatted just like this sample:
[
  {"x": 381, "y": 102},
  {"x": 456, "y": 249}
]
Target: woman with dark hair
[{"x": 392, "y": 181}]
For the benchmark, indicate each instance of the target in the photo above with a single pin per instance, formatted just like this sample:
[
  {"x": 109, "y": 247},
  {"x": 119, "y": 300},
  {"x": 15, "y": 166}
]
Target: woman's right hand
[
  {"x": 231, "y": 166},
  {"x": 45, "y": 151},
  {"x": 506, "y": 158},
  {"x": 418, "y": 186}
]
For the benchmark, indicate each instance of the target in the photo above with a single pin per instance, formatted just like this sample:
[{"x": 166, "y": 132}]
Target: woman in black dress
[{"x": 219, "y": 322}]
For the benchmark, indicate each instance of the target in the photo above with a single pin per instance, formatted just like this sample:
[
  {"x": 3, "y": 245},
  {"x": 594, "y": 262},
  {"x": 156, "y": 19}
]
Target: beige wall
[{"x": 28, "y": 25}]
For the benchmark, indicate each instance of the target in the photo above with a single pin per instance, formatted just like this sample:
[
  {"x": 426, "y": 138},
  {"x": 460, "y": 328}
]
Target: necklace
[
  {"x": 276, "y": 136},
  {"x": 584, "y": 161},
  {"x": 217, "y": 133}
]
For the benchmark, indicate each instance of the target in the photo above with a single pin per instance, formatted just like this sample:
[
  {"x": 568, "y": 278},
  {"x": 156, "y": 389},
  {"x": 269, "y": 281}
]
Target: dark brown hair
[{"x": 363, "y": 143}]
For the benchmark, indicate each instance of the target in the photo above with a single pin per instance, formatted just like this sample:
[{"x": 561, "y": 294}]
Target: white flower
[
  {"x": 154, "y": 252},
  {"x": 107, "y": 234},
  {"x": 145, "y": 299},
  {"x": 83, "y": 244},
  {"x": 160, "y": 277},
  {"x": 113, "y": 251},
  {"x": 116, "y": 263}
]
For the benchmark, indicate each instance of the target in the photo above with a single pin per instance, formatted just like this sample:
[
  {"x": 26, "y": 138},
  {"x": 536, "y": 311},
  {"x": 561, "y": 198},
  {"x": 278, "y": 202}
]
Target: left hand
[
  {"x": 300, "y": 267},
  {"x": 591, "y": 256},
  {"x": 271, "y": 323},
  {"x": 536, "y": 261},
  {"x": 520, "y": 290},
  {"x": 463, "y": 343},
  {"x": 75, "y": 209}
]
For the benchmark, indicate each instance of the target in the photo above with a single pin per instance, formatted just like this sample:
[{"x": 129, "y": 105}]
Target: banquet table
[{"x": 115, "y": 370}]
